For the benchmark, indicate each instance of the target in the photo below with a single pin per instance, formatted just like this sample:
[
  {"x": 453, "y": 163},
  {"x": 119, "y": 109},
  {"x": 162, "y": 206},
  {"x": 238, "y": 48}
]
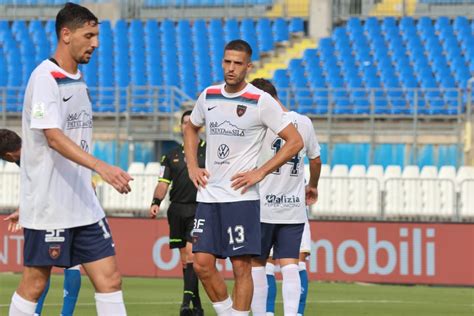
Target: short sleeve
[
  {"x": 272, "y": 115},
  {"x": 45, "y": 106},
  {"x": 197, "y": 116},
  {"x": 313, "y": 150},
  {"x": 165, "y": 171}
]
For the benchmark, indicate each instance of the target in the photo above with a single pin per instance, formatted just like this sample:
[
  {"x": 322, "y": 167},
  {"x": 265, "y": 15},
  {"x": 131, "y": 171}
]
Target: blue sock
[
  {"x": 272, "y": 292},
  {"x": 304, "y": 289},
  {"x": 39, "y": 307},
  {"x": 72, "y": 285}
]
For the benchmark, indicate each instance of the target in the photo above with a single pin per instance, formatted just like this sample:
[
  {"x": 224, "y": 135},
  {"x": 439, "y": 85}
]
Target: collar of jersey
[
  {"x": 235, "y": 94},
  {"x": 76, "y": 76}
]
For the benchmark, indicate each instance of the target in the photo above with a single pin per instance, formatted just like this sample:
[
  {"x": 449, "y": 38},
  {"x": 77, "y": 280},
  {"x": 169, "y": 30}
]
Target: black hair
[
  {"x": 240, "y": 46},
  {"x": 185, "y": 113},
  {"x": 265, "y": 85},
  {"x": 9, "y": 142},
  {"x": 74, "y": 16}
]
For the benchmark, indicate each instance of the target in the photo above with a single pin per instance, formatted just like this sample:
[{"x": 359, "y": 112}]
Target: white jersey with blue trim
[
  {"x": 282, "y": 193},
  {"x": 235, "y": 125},
  {"x": 55, "y": 192}
]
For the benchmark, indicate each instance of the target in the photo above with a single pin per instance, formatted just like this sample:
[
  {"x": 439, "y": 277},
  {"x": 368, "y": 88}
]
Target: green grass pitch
[{"x": 162, "y": 297}]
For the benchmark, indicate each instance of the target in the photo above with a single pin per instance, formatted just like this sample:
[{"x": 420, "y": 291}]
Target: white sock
[
  {"x": 223, "y": 308},
  {"x": 109, "y": 304},
  {"x": 269, "y": 314},
  {"x": 291, "y": 289},
  {"x": 301, "y": 266},
  {"x": 260, "y": 291},
  {"x": 21, "y": 307},
  {"x": 270, "y": 268},
  {"x": 240, "y": 313}
]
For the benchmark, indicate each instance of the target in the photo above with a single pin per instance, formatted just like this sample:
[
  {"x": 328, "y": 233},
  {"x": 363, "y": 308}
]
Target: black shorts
[{"x": 181, "y": 222}]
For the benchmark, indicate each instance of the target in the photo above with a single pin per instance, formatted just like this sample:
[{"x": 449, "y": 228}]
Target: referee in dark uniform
[{"x": 181, "y": 215}]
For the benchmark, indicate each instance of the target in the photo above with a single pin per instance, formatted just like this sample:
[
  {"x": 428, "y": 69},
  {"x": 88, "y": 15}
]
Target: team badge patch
[
  {"x": 54, "y": 251},
  {"x": 241, "y": 110}
]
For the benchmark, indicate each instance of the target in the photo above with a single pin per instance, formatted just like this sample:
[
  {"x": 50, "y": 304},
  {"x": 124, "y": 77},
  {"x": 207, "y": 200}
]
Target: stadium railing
[{"x": 386, "y": 196}]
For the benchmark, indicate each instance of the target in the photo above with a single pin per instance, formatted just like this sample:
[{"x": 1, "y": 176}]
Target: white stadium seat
[
  {"x": 447, "y": 189},
  {"x": 323, "y": 204},
  {"x": 340, "y": 190},
  {"x": 393, "y": 190},
  {"x": 412, "y": 192},
  {"x": 358, "y": 191},
  {"x": 10, "y": 185},
  {"x": 430, "y": 191},
  {"x": 375, "y": 180},
  {"x": 153, "y": 168},
  {"x": 465, "y": 180}
]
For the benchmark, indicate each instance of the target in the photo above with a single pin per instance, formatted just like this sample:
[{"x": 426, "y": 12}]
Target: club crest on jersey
[
  {"x": 241, "y": 110},
  {"x": 54, "y": 251}
]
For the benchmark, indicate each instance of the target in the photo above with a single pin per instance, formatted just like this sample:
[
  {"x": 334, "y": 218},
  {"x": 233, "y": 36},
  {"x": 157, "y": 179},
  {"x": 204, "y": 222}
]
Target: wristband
[{"x": 156, "y": 201}]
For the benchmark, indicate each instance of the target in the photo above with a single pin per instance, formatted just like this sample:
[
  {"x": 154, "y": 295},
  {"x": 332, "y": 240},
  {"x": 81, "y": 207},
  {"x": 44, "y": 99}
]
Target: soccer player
[
  {"x": 236, "y": 116},
  {"x": 283, "y": 210},
  {"x": 181, "y": 214},
  {"x": 10, "y": 150},
  {"x": 63, "y": 222}
]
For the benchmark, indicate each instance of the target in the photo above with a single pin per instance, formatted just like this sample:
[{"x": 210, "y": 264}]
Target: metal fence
[{"x": 431, "y": 199}]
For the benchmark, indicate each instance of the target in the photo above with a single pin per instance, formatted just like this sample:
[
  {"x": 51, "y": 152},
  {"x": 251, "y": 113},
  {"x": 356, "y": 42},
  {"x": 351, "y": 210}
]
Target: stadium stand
[
  {"x": 139, "y": 58},
  {"x": 402, "y": 67}
]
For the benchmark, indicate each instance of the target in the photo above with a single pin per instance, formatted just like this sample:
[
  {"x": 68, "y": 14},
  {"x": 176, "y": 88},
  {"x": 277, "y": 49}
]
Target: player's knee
[
  {"x": 32, "y": 289},
  {"x": 111, "y": 282},
  {"x": 202, "y": 269}
]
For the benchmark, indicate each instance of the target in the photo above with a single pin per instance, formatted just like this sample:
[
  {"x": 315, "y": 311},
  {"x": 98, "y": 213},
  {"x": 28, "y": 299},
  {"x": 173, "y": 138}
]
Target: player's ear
[{"x": 66, "y": 35}]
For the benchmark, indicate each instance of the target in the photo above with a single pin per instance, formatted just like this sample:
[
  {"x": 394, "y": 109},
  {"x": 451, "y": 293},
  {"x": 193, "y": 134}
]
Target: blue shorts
[
  {"x": 227, "y": 229},
  {"x": 68, "y": 247},
  {"x": 284, "y": 238}
]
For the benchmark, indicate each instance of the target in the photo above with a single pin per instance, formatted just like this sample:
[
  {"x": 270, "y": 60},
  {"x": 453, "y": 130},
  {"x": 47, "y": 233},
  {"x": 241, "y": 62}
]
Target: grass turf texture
[{"x": 162, "y": 297}]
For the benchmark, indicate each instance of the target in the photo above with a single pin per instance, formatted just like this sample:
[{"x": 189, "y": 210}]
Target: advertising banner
[{"x": 381, "y": 252}]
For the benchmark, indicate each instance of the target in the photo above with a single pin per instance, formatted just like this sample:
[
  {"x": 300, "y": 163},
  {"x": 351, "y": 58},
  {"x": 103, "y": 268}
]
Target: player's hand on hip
[
  {"x": 198, "y": 176},
  {"x": 246, "y": 179},
  {"x": 154, "y": 210},
  {"x": 13, "y": 218},
  {"x": 114, "y": 176},
  {"x": 311, "y": 195}
]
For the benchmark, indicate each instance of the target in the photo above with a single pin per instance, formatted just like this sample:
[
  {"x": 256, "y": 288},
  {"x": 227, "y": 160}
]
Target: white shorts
[{"x": 305, "y": 240}]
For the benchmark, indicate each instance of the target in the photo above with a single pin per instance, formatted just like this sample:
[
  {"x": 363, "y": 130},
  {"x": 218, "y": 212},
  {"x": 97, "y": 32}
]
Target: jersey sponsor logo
[
  {"x": 85, "y": 146},
  {"x": 225, "y": 128},
  {"x": 54, "y": 235},
  {"x": 241, "y": 109},
  {"x": 54, "y": 251},
  {"x": 79, "y": 120},
  {"x": 223, "y": 151},
  {"x": 67, "y": 99},
  {"x": 282, "y": 200},
  {"x": 37, "y": 110}
]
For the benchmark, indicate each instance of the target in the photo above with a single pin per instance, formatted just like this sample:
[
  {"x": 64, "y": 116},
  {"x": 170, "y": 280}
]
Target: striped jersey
[
  {"x": 235, "y": 125},
  {"x": 55, "y": 192},
  {"x": 282, "y": 193}
]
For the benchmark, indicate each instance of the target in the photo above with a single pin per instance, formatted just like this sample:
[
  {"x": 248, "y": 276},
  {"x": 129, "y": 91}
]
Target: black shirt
[{"x": 175, "y": 171}]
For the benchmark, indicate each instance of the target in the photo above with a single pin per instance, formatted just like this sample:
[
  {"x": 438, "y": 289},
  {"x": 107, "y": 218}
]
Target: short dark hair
[
  {"x": 240, "y": 46},
  {"x": 265, "y": 85},
  {"x": 9, "y": 142},
  {"x": 185, "y": 113},
  {"x": 73, "y": 16}
]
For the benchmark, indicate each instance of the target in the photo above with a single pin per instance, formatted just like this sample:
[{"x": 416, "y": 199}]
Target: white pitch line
[{"x": 307, "y": 302}]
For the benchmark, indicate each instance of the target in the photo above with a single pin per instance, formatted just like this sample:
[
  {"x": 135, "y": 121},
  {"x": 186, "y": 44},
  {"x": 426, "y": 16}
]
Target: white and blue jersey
[{"x": 282, "y": 193}]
